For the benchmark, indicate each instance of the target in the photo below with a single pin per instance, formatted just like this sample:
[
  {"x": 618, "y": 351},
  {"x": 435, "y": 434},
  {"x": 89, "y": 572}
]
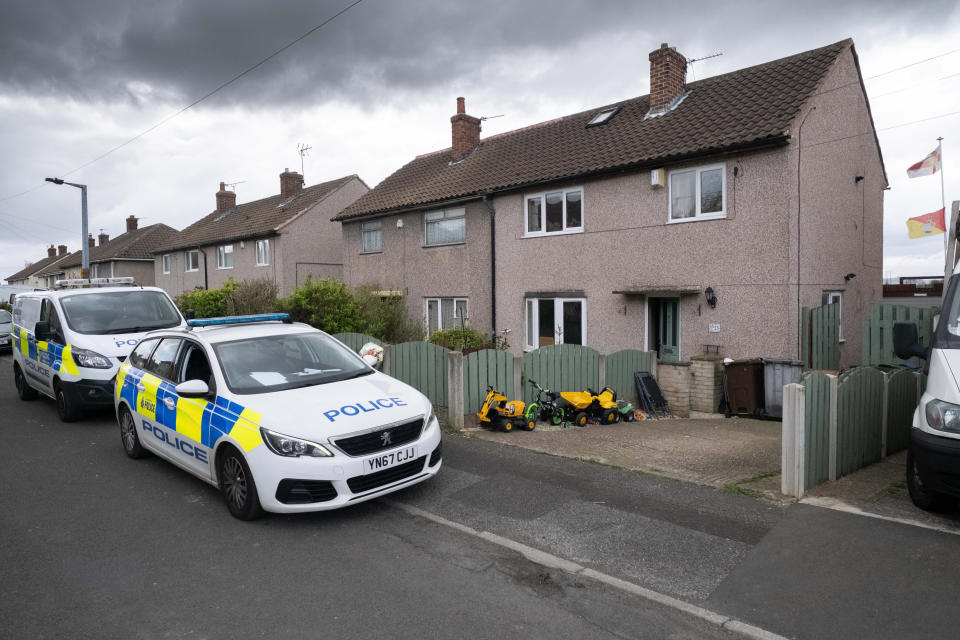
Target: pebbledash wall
[
  {"x": 749, "y": 257},
  {"x": 309, "y": 244}
]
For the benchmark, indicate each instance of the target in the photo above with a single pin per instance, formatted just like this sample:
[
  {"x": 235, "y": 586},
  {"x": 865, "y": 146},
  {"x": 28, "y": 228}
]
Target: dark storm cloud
[{"x": 107, "y": 50}]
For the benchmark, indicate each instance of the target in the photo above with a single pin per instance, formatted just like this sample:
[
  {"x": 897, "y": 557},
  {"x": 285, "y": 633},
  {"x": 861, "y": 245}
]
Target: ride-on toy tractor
[
  {"x": 503, "y": 414},
  {"x": 602, "y": 407}
]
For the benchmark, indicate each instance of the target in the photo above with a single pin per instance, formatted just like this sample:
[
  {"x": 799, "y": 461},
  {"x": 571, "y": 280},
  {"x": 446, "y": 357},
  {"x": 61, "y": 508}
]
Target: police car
[
  {"x": 68, "y": 343},
  {"x": 278, "y": 415}
]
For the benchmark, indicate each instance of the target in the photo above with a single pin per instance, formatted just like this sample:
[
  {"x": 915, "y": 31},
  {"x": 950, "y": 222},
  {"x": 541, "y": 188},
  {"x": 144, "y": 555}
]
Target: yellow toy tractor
[
  {"x": 602, "y": 407},
  {"x": 502, "y": 414}
]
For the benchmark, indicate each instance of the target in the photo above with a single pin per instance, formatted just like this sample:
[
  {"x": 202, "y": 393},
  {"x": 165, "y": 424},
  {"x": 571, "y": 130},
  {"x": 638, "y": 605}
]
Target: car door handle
[
  {"x": 169, "y": 403},
  {"x": 141, "y": 386}
]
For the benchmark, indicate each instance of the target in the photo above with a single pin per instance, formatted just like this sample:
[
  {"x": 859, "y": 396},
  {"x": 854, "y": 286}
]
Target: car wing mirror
[
  {"x": 193, "y": 389},
  {"x": 906, "y": 343}
]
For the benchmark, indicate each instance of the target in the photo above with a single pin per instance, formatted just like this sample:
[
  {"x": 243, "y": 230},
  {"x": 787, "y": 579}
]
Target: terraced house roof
[
  {"x": 132, "y": 245},
  {"x": 252, "y": 219},
  {"x": 742, "y": 109},
  {"x": 35, "y": 268}
]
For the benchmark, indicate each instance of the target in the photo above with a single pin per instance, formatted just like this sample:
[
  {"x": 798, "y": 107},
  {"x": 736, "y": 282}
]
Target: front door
[{"x": 667, "y": 327}]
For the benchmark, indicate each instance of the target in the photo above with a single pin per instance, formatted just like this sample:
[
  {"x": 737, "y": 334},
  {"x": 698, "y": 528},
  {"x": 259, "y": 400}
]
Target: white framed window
[
  {"x": 95, "y": 270},
  {"x": 554, "y": 212},
  {"x": 446, "y": 226},
  {"x": 445, "y": 313},
  {"x": 698, "y": 193},
  {"x": 225, "y": 256},
  {"x": 371, "y": 233},
  {"x": 263, "y": 252},
  {"x": 191, "y": 260},
  {"x": 554, "y": 321},
  {"x": 165, "y": 263},
  {"x": 835, "y": 297}
]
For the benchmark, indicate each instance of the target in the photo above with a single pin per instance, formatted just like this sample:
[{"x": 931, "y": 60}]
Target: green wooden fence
[
  {"x": 561, "y": 367},
  {"x": 356, "y": 340},
  {"x": 423, "y": 366},
  {"x": 877, "y": 332},
  {"x": 820, "y": 328},
  {"x": 859, "y": 419},
  {"x": 619, "y": 369},
  {"x": 482, "y": 368},
  {"x": 902, "y": 399},
  {"x": 816, "y": 428}
]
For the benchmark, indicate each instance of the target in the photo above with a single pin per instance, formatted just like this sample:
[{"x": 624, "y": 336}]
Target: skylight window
[{"x": 603, "y": 117}]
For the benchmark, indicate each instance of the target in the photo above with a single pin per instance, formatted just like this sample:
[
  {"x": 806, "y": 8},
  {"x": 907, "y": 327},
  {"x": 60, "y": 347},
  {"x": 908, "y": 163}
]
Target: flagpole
[{"x": 943, "y": 201}]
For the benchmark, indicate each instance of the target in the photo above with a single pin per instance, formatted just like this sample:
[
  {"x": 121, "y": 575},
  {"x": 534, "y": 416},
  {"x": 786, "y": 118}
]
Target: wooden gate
[
  {"x": 820, "y": 328},
  {"x": 423, "y": 366},
  {"x": 482, "y": 368},
  {"x": 859, "y": 419},
  {"x": 561, "y": 367},
  {"x": 356, "y": 340},
  {"x": 619, "y": 368}
]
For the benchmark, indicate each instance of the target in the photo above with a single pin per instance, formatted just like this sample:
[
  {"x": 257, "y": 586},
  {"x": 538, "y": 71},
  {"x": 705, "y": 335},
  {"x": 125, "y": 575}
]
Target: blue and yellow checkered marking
[
  {"x": 52, "y": 354},
  {"x": 202, "y": 421}
]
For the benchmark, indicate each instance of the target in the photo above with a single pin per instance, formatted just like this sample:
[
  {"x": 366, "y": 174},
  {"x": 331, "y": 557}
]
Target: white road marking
[
  {"x": 840, "y": 505},
  {"x": 551, "y": 561}
]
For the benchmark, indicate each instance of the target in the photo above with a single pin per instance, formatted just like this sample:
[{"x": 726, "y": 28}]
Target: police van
[
  {"x": 278, "y": 415},
  {"x": 68, "y": 343}
]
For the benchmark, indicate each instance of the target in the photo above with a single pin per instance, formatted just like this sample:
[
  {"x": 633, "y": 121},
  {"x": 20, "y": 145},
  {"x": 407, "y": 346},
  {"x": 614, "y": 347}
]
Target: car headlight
[
  {"x": 943, "y": 416},
  {"x": 429, "y": 417},
  {"x": 90, "y": 359},
  {"x": 293, "y": 447}
]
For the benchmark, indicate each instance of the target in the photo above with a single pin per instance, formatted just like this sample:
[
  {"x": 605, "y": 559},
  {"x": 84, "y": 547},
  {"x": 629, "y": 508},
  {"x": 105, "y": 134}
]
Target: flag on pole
[
  {"x": 926, "y": 167},
  {"x": 929, "y": 224}
]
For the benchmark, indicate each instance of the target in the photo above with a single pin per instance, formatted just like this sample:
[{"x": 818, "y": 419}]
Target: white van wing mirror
[
  {"x": 906, "y": 343},
  {"x": 193, "y": 389}
]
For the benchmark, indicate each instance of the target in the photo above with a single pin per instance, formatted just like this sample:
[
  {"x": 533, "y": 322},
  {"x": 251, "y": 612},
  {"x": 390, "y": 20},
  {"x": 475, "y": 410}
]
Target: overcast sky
[{"x": 377, "y": 86}]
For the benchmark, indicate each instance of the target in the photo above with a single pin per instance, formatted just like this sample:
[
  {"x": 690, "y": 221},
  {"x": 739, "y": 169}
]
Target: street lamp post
[{"x": 84, "y": 245}]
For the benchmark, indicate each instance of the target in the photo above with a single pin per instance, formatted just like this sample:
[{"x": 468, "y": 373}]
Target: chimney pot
[
  {"x": 668, "y": 76},
  {"x": 465, "y": 131},
  {"x": 131, "y": 223},
  {"x": 102, "y": 238},
  {"x": 291, "y": 183},
  {"x": 51, "y": 251},
  {"x": 90, "y": 241},
  {"x": 226, "y": 200},
  {"x": 61, "y": 249}
]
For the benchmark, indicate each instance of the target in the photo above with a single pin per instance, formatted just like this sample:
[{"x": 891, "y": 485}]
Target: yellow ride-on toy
[
  {"x": 584, "y": 405},
  {"x": 502, "y": 414}
]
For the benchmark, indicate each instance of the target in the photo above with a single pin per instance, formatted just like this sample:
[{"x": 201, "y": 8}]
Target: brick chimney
[
  {"x": 102, "y": 238},
  {"x": 51, "y": 251},
  {"x": 90, "y": 241},
  {"x": 61, "y": 250},
  {"x": 226, "y": 200},
  {"x": 668, "y": 76},
  {"x": 131, "y": 223},
  {"x": 466, "y": 131},
  {"x": 291, "y": 183}
]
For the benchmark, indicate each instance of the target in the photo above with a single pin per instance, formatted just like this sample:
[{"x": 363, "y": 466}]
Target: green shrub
[
  {"x": 326, "y": 304},
  {"x": 251, "y": 296},
  {"x": 386, "y": 317},
  {"x": 207, "y": 303},
  {"x": 458, "y": 339},
  {"x": 6, "y": 306}
]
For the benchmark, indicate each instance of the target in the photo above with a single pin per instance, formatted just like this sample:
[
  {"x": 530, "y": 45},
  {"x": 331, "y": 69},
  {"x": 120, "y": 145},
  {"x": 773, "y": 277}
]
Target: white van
[
  {"x": 68, "y": 343},
  {"x": 933, "y": 459}
]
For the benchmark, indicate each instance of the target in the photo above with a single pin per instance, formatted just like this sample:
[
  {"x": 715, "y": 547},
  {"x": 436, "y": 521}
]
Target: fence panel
[
  {"x": 825, "y": 338},
  {"x": 423, "y": 366},
  {"x": 859, "y": 419},
  {"x": 486, "y": 367},
  {"x": 561, "y": 367},
  {"x": 902, "y": 399},
  {"x": 619, "y": 370},
  {"x": 877, "y": 332},
  {"x": 356, "y": 340},
  {"x": 816, "y": 428}
]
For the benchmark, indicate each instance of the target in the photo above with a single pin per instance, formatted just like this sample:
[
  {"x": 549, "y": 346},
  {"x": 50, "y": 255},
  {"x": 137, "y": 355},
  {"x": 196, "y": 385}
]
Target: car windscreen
[
  {"x": 5, "y": 316},
  {"x": 131, "y": 311},
  {"x": 273, "y": 363}
]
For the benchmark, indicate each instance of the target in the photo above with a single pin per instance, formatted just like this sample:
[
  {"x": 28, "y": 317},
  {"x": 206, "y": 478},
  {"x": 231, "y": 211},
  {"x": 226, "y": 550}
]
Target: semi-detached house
[
  {"x": 697, "y": 218},
  {"x": 284, "y": 238}
]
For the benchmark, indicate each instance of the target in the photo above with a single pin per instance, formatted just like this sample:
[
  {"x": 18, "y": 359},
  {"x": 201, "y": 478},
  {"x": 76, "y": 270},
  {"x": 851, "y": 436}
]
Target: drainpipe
[
  {"x": 493, "y": 263},
  {"x": 799, "y": 310},
  {"x": 206, "y": 281}
]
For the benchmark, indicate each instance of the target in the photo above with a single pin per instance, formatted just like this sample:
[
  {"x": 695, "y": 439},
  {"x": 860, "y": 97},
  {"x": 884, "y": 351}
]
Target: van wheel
[
  {"x": 922, "y": 497},
  {"x": 24, "y": 391},
  {"x": 67, "y": 407},
  {"x": 128, "y": 434},
  {"x": 237, "y": 485}
]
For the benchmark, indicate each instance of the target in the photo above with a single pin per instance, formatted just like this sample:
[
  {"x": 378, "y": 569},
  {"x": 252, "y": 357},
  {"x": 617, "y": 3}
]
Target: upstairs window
[
  {"x": 554, "y": 212},
  {"x": 372, "y": 236},
  {"x": 191, "y": 260},
  {"x": 447, "y": 226},
  {"x": 225, "y": 256},
  {"x": 698, "y": 193},
  {"x": 263, "y": 253}
]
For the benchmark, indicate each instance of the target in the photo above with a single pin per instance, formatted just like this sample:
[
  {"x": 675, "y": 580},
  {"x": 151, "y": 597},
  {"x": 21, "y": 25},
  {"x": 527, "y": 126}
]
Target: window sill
[
  {"x": 166, "y": 273},
  {"x": 547, "y": 234},
  {"x": 190, "y": 270},
  {"x": 224, "y": 268},
  {"x": 446, "y": 244},
  {"x": 266, "y": 264},
  {"x": 712, "y": 216},
  {"x": 370, "y": 253}
]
